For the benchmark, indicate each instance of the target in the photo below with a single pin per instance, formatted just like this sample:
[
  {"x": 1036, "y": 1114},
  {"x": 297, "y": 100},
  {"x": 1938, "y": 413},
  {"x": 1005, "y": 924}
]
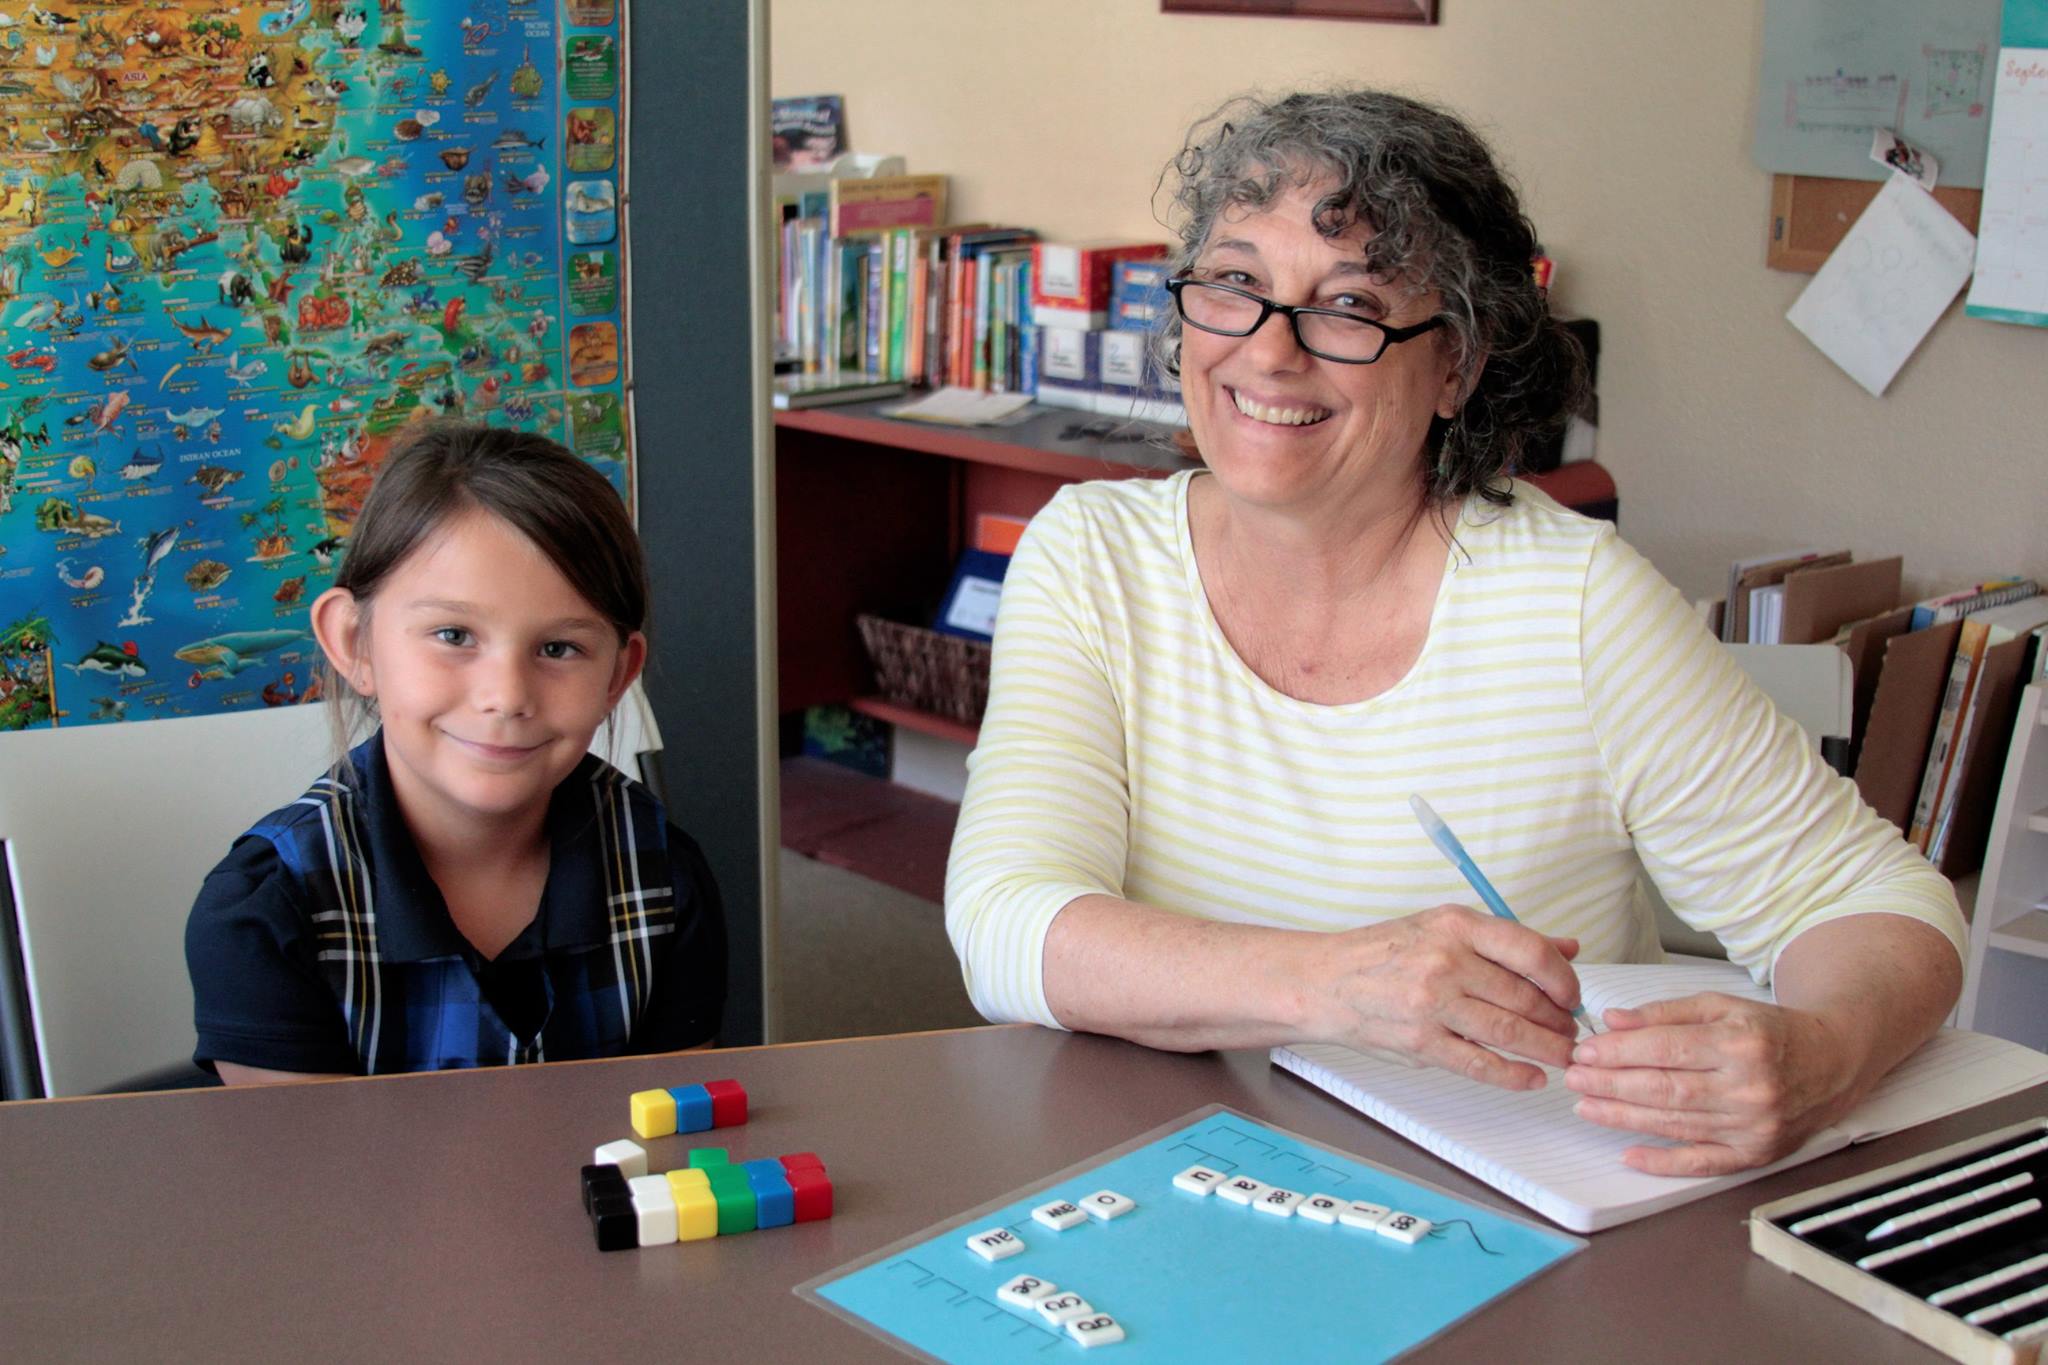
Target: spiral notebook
[{"x": 1530, "y": 1146}]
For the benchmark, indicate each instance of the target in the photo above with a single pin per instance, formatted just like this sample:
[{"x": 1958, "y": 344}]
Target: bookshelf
[
  {"x": 2007, "y": 978},
  {"x": 872, "y": 512}
]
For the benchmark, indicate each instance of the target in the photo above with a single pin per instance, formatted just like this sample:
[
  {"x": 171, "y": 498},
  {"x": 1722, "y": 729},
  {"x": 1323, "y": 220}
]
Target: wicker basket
[{"x": 943, "y": 674}]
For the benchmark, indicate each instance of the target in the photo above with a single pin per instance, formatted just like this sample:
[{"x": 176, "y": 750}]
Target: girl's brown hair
[{"x": 567, "y": 509}]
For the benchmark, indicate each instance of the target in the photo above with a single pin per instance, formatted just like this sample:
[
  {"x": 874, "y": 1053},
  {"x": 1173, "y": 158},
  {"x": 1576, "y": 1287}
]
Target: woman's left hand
[{"x": 1738, "y": 1082}]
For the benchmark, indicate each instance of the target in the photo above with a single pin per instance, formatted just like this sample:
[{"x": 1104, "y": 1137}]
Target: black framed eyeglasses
[{"x": 1327, "y": 333}]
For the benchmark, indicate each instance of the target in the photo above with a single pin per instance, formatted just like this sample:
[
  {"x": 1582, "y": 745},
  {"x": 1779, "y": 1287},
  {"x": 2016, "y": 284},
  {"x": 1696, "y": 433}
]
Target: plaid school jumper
[{"x": 431, "y": 1013}]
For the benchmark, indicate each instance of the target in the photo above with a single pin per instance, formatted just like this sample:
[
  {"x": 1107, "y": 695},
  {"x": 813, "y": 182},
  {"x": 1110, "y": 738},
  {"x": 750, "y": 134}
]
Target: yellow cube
[
  {"x": 688, "y": 1178},
  {"x": 696, "y": 1209},
  {"x": 654, "y": 1113}
]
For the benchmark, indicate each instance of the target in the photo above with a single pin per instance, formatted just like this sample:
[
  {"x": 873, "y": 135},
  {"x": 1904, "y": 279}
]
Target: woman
[{"x": 1187, "y": 822}]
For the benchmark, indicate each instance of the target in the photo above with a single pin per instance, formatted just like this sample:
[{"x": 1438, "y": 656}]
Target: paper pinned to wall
[
  {"x": 1886, "y": 285},
  {"x": 1834, "y": 71},
  {"x": 2011, "y": 283}
]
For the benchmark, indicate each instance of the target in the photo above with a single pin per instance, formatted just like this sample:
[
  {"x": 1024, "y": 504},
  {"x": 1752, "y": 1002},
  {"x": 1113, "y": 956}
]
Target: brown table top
[{"x": 416, "y": 1217}]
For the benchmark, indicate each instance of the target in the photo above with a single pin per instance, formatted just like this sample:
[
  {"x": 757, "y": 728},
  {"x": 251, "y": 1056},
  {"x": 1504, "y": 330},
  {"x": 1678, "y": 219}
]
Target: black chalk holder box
[{"x": 1914, "y": 1278}]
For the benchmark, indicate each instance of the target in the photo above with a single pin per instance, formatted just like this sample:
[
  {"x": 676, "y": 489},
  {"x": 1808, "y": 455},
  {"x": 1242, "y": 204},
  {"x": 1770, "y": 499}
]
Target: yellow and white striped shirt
[{"x": 1568, "y": 716}]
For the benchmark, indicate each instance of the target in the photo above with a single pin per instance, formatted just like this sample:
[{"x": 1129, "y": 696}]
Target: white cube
[
  {"x": 1241, "y": 1189},
  {"x": 629, "y": 1156},
  {"x": 1198, "y": 1179},
  {"x": 655, "y": 1204}
]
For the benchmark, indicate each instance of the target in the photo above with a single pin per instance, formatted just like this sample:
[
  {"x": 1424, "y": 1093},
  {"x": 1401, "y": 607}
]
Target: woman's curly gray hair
[{"x": 1442, "y": 216}]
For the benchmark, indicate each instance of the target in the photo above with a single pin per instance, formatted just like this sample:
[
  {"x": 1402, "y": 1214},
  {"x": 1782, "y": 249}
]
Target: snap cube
[
  {"x": 737, "y": 1209},
  {"x": 693, "y": 1108},
  {"x": 810, "y": 1195},
  {"x": 774, "y": 1197},
  {"x": 654, "y": 1113},
  {"x": 629, "y": 1156},
  {"x": 728, "y": 1103},
  {"x": 656, "y": 1209}
]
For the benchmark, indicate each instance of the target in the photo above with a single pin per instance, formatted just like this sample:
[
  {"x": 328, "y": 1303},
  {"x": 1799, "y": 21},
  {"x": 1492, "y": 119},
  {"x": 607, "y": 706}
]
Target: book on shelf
[
  {"x": 1953, "y": 606},
  {"x": 884, "y": 202},
  {"x": 827, "y": 387},
  {"x": 1532, "y": 1147},
  {"x": 1071, "y": 281},
  {"x": 1991, "y": 653},
  {"x": 969, "y": 607}
]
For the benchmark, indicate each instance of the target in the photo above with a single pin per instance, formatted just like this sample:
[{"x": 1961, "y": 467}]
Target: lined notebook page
[{"x": 1531, "y": 1146}]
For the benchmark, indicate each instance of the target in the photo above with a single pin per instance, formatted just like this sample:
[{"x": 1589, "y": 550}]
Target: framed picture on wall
[{"x": 1384, "y": 11}]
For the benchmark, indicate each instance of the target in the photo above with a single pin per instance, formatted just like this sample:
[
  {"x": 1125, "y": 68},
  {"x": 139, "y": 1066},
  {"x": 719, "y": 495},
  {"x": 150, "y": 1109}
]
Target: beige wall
[{"x": 1627, "y": 123}]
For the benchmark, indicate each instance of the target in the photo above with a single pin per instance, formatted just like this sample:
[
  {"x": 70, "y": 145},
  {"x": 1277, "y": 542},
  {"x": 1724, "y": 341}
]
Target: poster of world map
[{"x": 242, "y": 248}]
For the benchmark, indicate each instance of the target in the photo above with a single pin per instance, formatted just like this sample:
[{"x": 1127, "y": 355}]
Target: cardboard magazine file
[
  {"x": 1865, "y": 647},
  {"x": 1819, "y": 602},
  {"x": 1902, "y": 717},
  {"x": 1764, "y": 575},
  {"x": 1982, "y": 761}
]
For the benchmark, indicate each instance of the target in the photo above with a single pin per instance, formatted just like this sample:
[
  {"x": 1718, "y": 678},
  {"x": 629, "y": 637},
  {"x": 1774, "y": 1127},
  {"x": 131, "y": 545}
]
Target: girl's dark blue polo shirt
[{"x": 320, "y": 944}]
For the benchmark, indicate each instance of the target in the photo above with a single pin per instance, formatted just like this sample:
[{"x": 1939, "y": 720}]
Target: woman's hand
[
  {"x": 1738, "y": 1082},
  {"x": 1452, "y": 988}
]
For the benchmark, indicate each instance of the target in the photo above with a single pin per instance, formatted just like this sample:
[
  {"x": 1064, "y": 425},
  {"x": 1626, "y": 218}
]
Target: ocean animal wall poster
[{"x": 243, "y": 246}]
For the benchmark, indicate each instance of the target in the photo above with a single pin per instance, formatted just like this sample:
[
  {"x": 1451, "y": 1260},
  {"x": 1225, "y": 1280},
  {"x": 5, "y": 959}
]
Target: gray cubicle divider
[{"x": 698, "y": 399}]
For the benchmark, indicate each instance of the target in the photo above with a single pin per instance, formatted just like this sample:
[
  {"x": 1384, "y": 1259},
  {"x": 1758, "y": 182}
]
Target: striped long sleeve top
[{"x": 1568, "y": 716}]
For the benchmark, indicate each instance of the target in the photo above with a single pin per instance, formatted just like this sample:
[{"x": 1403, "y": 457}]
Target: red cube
[
  {"x": 802, "y": 1161},
  {"x": 728, "y": 1103},
  {"x": 813, "y": 1192}
]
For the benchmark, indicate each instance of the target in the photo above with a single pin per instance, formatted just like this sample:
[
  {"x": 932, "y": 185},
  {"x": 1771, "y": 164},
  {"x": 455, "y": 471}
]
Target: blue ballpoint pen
[{"x": 1447, "y": 843}]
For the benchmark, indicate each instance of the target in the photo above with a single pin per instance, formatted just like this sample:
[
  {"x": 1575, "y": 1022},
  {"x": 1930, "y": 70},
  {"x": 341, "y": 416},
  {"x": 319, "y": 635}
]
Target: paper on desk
[
  {"x": 1886, "y": 285},
  {"x": 959, "y": 407}
]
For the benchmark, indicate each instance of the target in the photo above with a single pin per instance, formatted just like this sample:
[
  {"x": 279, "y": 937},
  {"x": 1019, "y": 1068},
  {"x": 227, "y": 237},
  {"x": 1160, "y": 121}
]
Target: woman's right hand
[{"x": 1452, "y": 988}]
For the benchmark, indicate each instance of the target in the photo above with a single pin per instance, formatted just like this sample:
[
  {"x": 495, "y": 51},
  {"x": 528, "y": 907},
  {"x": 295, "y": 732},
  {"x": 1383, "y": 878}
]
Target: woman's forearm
[
  {"x": 1173, "y": 981},
  {"x": 1883, "y": 983}
]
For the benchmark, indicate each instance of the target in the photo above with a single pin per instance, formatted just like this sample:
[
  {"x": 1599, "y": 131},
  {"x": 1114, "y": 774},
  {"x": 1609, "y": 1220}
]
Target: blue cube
[
  {"x": 693, "y": 1108},
  {"x": 774, "y": 1200}
]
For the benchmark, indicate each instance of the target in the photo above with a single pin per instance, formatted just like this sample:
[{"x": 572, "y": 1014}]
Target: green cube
[
  {"x": 735, "y": 1196},
  {"x": 703, "y": 1158}
]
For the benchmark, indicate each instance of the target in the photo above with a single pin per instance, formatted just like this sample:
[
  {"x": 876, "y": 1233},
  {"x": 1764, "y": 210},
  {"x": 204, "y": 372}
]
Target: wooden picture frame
[{"x": 1380, "y": 11}]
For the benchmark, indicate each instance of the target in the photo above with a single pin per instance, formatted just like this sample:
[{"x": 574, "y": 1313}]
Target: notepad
[{"x": 1530, "y": 1146}]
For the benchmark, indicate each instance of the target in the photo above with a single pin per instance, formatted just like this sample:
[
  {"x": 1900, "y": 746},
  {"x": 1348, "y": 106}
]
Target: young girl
[{"x": 469, "y": 886}]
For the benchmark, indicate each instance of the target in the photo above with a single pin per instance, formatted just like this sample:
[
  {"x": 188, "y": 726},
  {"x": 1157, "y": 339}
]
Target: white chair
[
  {"x": 107, "y": 832},
  {"x": 1814, "y": 687}
]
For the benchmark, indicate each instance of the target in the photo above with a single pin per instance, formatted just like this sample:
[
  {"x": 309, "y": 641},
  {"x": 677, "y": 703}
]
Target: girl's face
[{"x": 490, "y": 672}]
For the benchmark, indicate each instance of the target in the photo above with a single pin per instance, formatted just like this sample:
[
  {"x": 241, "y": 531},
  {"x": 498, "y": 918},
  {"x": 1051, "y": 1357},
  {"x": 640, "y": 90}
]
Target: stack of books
[
  {"x": 872, "y": 279},
  {"x": 1094, "y": 303}
]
